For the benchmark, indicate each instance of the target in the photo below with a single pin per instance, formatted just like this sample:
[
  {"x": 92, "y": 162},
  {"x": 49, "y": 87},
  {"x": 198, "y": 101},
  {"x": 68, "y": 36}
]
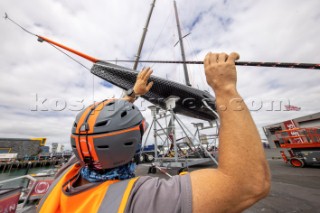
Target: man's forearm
[
  {"x": 241, "y": 153},
  {"x": 242, "y": 177}
]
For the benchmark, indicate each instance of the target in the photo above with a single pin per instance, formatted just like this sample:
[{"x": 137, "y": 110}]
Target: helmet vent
[
  {"x": 103, "y": 147},
  {"x": 75, "y": 124},
  {"x": 124, "y": 113},
  {"x": 110, "y": 103},
  {"x": 102, "y": 123},
  {"x": 128, "y": 144}
]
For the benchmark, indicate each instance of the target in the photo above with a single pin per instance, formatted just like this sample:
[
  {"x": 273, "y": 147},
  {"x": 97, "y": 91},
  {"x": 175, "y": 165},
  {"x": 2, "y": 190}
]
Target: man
[{"x": 106, "y": 136}]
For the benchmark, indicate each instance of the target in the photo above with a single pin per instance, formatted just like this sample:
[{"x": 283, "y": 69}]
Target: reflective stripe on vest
[
  {"x": 110, "y": 196},
  {"x": 115, "y": 200}
]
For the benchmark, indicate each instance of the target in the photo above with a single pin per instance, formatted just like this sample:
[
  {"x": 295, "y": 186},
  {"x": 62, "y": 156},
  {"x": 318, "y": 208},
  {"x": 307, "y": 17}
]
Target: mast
[
  {"x": 186, "y": 75},
  {"x": 145, "y": 29}
]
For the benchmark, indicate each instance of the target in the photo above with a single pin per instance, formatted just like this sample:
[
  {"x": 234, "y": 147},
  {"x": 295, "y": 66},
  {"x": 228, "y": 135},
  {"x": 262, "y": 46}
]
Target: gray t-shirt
[{"x": 152, "y": 194}]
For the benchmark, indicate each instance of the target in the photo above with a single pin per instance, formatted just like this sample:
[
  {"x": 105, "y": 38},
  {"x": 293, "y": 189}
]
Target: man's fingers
[
  {"x": 149, "y": 85},
  {"x": 233, "y": 57},
  {"x": 213, "y": 58},
  {"x": 222, "y": 57},
  {"x": 148, "y": 73},
  {"x": 143, "y": 72}
]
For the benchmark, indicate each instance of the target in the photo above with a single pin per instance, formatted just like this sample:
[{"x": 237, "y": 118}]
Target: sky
[{"x": 42, "y": 90}]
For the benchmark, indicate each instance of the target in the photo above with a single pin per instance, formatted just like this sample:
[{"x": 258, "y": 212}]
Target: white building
[{"x": 56, "y": 147}]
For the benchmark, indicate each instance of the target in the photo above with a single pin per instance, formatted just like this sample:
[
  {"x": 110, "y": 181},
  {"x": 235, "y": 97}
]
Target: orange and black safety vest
[{"x": 110, "y": 196}]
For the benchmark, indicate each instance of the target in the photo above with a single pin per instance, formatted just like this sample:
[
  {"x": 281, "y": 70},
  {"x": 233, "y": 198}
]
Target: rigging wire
[
  {"x": 78, "y": 62},
  {"x": 81, "y": 64},
  {"x": 57, "y": 48},
  {"x": 24, "y": 29},
  {"x": 68, "y": 55},
  {"x": 217, "y": 121},
  {"x": 179, "y": 71},
  {"x": 41, "y": 40},
  {"x": 158, "y": 38},
  {"x": 174, "y": 56},
  {"x": 191, "y": 71},
  {"x": 193, "y": 50}
]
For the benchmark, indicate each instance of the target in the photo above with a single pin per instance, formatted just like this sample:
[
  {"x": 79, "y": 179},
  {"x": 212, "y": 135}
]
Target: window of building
[
  {"x": 277, "y": 143},
  {"x": 274, "y": 129}
]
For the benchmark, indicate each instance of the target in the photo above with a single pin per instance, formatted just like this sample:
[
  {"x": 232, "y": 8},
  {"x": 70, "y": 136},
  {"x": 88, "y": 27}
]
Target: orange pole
[{"x": 92, "y": 59}]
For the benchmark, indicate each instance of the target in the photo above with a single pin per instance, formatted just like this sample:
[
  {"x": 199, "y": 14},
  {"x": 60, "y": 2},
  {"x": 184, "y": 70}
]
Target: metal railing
[{"x": 30, "y": 178}]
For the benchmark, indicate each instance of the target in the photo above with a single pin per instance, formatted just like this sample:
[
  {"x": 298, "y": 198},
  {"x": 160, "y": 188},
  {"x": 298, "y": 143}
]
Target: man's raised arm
[{"x": 242, "y": 177}]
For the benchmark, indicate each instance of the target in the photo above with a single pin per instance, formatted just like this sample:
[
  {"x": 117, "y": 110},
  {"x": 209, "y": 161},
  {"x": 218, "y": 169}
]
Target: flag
[{"x": 292, "y": 108}]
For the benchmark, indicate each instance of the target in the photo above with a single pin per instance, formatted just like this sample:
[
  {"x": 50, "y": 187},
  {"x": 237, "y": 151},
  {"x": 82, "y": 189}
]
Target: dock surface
[{"x": 293, "y": 190}]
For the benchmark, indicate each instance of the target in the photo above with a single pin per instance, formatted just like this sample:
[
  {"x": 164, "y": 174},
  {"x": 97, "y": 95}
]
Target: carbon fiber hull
[{"x": 190, "y": 102}]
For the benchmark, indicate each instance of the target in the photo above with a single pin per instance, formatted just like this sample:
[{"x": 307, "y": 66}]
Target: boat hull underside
[{"x": 190, "y": 102}]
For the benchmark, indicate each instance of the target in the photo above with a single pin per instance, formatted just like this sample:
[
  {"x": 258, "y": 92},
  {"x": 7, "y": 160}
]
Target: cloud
[{"x": 259, "y": 30}]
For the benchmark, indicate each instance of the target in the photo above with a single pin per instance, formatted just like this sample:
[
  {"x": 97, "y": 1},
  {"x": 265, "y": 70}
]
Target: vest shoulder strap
[{"x": 116, "y": 198}]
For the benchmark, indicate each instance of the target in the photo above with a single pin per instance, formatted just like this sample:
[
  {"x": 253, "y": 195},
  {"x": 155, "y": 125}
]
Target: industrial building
[
  {"x": 44, "y": 149},
  {"x": 23, "y": 147},
  {"x": 308, "y": 121}
]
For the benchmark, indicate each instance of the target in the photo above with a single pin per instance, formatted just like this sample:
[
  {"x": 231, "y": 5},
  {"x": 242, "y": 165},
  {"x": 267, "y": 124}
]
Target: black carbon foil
[{"x": 190, "y": 102}]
